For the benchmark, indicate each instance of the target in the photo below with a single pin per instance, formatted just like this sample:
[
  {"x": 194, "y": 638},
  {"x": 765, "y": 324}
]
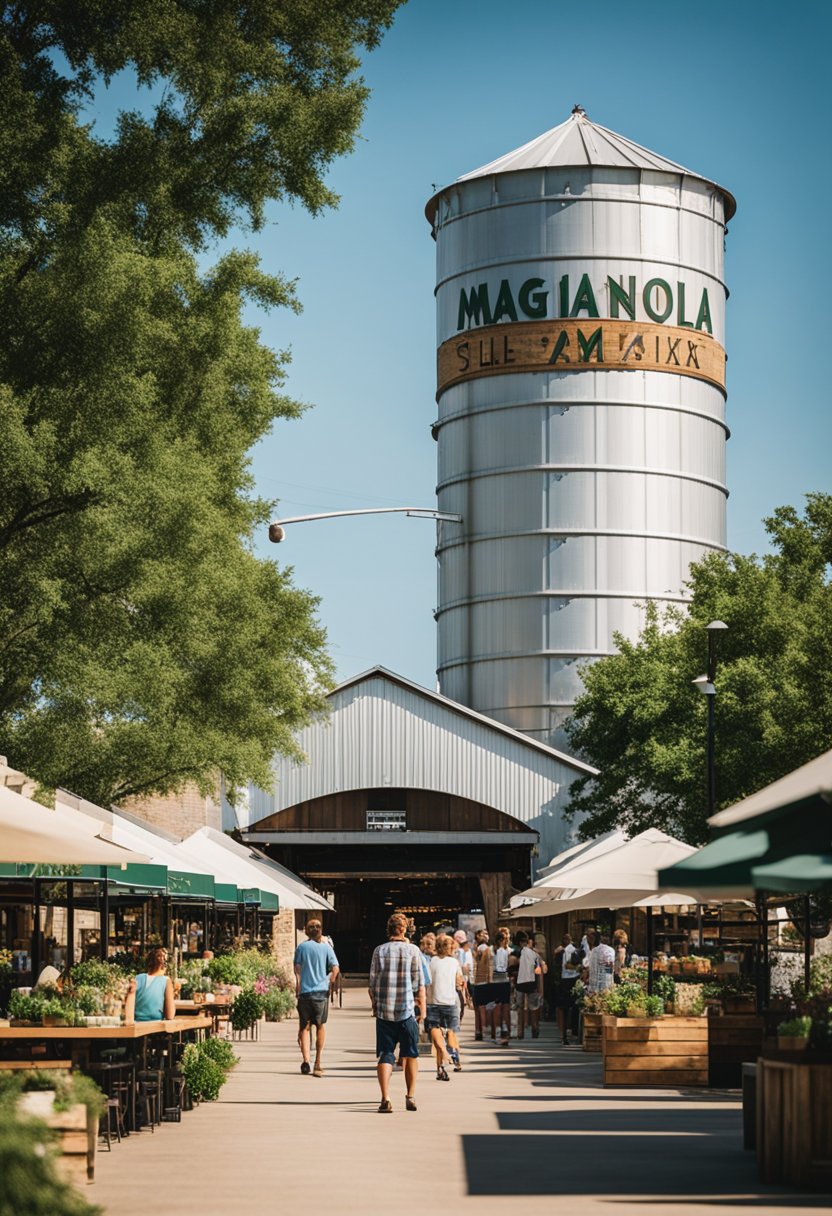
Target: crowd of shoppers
[{"x": 435, "y": 982}]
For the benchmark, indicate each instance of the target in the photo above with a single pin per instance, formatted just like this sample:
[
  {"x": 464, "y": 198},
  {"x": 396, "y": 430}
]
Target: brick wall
[
  {"x": 181, "y": 813},
  {"x": 284, "y": 939}
]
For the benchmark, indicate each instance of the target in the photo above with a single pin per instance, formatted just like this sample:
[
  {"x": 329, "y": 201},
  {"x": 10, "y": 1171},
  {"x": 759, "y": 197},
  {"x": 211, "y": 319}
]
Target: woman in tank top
[{"x": 150, "y": 998}]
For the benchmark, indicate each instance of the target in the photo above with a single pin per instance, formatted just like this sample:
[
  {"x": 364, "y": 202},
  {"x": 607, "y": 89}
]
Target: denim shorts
[
  {"x": 404, "y": 1035},
  {"x": 442, "y": 1017}
]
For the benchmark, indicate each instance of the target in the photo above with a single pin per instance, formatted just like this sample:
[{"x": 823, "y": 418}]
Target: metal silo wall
[{"x": 584, "y": 493}]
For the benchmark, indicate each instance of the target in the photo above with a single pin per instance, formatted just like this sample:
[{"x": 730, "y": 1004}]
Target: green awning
[
  {"x": 724, "y": 864},
  {"x": 227, "y": 893},
  {"x": 269, "y": 902},
  {"x": 251, "y": 895},
  {"x": 798, "y": 873},
  {"x": 184, "y": 884}
]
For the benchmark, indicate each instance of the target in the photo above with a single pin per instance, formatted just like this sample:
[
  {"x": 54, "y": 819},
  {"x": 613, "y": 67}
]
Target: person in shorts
[
  {"x": 528, "y": 988},
  {"x": 397, "y": 995},
  {"x": 316, "y": 969},
  {"x": 443, "y": 1011}
]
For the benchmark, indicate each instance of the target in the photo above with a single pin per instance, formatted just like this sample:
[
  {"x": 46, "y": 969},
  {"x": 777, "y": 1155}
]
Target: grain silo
[{"x": 581, "y": 429}]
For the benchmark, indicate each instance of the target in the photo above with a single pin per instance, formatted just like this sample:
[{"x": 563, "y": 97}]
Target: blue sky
[{"x": 736, "y": 91}]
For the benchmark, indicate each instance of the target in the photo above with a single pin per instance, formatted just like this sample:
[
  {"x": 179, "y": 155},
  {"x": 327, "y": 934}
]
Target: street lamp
[
  {"x": 706, "y": 685},
  {"x": 276, "y": 532}
]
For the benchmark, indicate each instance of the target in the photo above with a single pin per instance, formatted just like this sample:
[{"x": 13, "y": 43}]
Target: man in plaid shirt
[{"x": 397, "y": 993}]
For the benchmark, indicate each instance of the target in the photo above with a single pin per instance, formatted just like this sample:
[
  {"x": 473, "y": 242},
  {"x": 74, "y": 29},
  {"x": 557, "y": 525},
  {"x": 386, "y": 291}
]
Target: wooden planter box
[
  {"x": 592, "y": 1031},
  {"x": 734, "y": 1040},
  {"x": 655, "y": 1052},
  {"x": 794, "y": 1127},
  {"x": 76, "y": 1132}
]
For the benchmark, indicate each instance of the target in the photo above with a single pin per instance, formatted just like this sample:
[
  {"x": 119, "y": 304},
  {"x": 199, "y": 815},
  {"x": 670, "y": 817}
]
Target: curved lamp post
[{"x": 277, "y": 533}]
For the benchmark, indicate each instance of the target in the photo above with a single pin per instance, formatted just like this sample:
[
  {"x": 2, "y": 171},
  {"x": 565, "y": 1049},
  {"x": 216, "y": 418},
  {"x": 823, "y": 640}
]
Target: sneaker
[
  {"x": 306, "y": 1068},
  {"x": 386, "y": 1107},
  {"x": 409, "y": 1103},
  {"x": 454, "y": 1054},
  {"x": 477, "y": 1038},
  {"x": 317, "y": 1071}
]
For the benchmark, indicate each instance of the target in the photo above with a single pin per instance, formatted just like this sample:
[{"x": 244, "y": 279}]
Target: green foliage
[
  {"x": 664, "y": 986},
  {"x": 26, "y": 1008},
  {"x": 144, "y": 645},
  {"x": 820, "y": 979},
  {"x": 94, "y": 973},
  {"x": 643, "y": 724},
  {"x": 244, "y": 966},
  {"x": 620, "y": 997},
  {"x": 203, "y": 1075},
  {"x": 278, "y": 1003},
  {"x": 797, "y": 1028},
  {"x": 220, "y": 1051},
  {"x": 70, "y": 1088},
  {"x": 247, "y": 1009},
  {"x": 30, "y": 1185}
]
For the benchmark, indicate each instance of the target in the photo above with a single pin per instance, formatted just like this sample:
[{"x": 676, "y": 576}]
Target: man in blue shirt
[{"x": 316, "y": 968}]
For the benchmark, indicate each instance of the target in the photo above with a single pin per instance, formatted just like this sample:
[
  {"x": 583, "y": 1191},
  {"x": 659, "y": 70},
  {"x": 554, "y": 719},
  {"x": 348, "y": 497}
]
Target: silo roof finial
[{"x": 579, "y": 110}]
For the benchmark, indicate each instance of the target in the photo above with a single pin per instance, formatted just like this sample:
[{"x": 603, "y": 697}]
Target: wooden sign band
[{"x": 579, "y": 345}]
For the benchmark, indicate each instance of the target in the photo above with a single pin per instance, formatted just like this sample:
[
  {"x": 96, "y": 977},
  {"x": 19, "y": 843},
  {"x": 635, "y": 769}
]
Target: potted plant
[
  {"x": 25, "y": 1010},
  {"x": 664, "y": 986},
  {"x": 56, "y": 1013},
  {"x": 793, "y": 1035}
]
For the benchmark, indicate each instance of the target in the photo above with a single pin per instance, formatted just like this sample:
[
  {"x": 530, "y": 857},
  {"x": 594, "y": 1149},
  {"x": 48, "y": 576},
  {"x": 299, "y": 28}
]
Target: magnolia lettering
[{"x": 658, "y": 299}]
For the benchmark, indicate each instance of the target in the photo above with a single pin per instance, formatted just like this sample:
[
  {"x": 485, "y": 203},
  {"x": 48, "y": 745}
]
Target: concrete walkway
[{"x": 530, "y": 1122}]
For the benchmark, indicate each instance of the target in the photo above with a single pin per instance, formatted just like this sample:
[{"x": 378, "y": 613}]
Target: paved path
[{"x": 531, "y": 1121}]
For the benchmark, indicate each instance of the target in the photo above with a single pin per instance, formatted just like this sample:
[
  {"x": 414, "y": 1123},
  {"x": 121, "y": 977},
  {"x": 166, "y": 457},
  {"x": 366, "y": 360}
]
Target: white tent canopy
[
  {"x": 237, "y": 863},
  {"x": 162, "y": 852},
  {"x": 585, "y": 850},
  {"x": 630, "y": 866},
  {"x": 36, "y": 834}
]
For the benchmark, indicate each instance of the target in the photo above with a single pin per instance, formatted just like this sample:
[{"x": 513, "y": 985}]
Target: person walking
[
  {"x": 600, "y": 964},
  {"x": 528, "y": 994},
  {"x": 316, "y": 970},
  {"x": 443, "y": 1012},
  {"x": 621, "y": 947},
  {"x": 501, "y": 1016},
  {"x": 466, "y": 961},
  {"x": 570, "y": 970},
  {"x": 397, "y": 995},
  {"x": 481, "y": 987}
]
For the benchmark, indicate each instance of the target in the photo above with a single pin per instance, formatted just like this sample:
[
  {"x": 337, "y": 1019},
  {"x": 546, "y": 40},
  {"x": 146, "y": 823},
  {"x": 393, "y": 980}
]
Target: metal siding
[
  {"x": 381, "y": 734},
  {"x": 583, "y": 494}
]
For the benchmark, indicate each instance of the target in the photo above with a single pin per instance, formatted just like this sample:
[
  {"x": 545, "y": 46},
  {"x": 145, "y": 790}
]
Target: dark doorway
[{"x": 363, "y": 904}]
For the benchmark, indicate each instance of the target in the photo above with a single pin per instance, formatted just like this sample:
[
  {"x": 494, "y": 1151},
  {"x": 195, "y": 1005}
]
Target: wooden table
[{"x": 78, "y": 1035}]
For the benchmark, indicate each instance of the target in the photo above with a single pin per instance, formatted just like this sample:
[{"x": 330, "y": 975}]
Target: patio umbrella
[
  {"x": 779, "y": 839},
  {"x": 38, "y": 835},
  {"x": 628, "y": 868}
]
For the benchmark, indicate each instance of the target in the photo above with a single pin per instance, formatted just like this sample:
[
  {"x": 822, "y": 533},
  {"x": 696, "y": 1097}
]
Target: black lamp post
[{"x": 706, "y": 685}]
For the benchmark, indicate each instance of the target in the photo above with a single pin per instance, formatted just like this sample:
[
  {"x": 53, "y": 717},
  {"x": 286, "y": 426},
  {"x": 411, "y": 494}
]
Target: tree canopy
[
  {"x": 142, "y": 643},
  {"x": 642, "y": 723}
]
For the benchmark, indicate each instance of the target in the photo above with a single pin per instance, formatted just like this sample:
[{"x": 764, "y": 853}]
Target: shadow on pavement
[
  {"x": 707, "y": 1164},
  {"x": 691, "y": 1122}
]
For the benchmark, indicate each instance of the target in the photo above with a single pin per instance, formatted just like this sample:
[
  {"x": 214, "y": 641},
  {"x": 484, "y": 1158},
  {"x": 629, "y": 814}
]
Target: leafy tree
[
  {"x": 642, "y": 723},
  {"x": 142, "y": 645}
]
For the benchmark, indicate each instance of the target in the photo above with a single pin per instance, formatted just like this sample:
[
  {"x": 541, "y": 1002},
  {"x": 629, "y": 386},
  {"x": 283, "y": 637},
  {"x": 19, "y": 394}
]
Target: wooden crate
[
  {"x": 794, "y": 1123},
  {"x": 593, "y": 1029},
  {"x": 655, "y": 1052},
  {"x": 76, "y": 1133}
]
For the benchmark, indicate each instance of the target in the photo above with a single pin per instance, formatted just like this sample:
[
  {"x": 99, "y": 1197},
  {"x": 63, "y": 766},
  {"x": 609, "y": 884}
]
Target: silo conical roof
[{"x": 581, "y": 142}]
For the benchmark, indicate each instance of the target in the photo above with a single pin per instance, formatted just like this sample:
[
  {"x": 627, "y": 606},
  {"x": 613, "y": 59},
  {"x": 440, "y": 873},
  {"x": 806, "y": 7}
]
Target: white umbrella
[{"x": 40, "y": 835}]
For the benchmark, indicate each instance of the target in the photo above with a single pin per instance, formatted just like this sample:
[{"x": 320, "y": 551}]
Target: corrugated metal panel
[{"x": 382, "y": 734}]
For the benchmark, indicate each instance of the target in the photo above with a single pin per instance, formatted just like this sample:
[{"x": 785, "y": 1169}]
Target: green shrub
[
  {"x": 247, "y": 1009},
  {"x": 654, "y": 1006},
  {"x": 203, "y": 1076},
  {"x": 620, "y": 997},
  {"x": 26, "y": 1008},
  {"x": 278, "y": 1003},
  {"x": 796, "y": 1028},
  {"x": 220, "y": 1051},
  {"x": 664, "y": 986},
  {"x": 244, "y": 966}
]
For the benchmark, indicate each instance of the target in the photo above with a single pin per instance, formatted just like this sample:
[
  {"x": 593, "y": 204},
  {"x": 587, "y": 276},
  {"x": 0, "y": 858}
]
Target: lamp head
[
  {"x": 704, "y": 685},
  {"x": 715, "y": 625}
]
